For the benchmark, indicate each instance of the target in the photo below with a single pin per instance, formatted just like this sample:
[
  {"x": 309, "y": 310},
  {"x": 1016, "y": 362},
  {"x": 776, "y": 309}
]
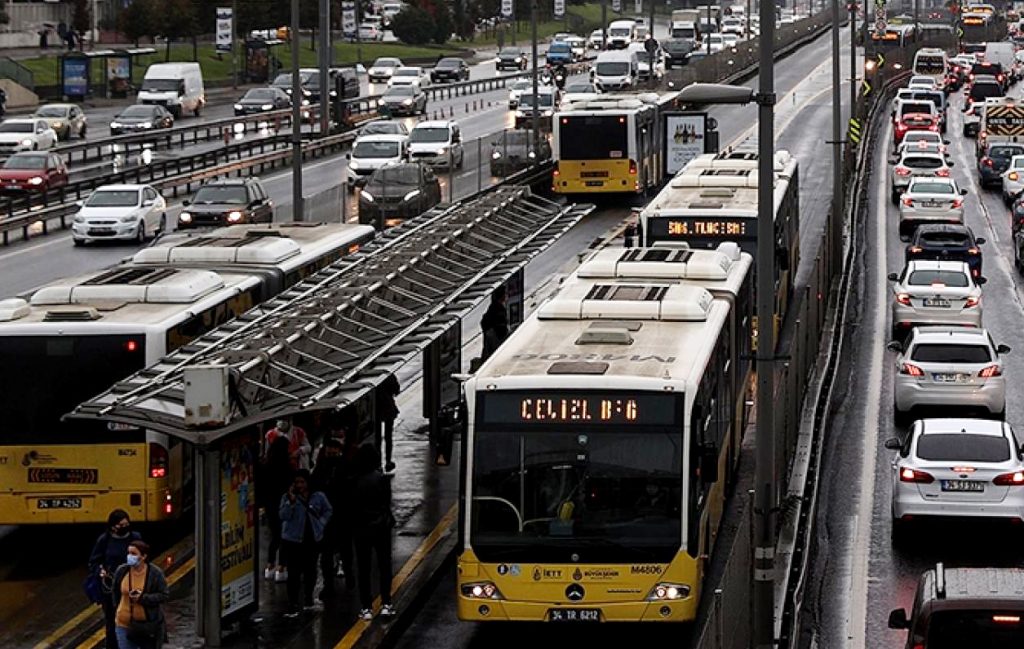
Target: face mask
[
  {"x": 133, "y": 560},
  {"x": 121, "y": 532}
]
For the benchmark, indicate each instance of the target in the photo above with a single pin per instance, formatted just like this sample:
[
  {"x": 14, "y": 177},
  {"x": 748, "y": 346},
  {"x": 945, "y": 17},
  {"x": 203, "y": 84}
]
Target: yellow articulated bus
[
  {"x": 610, "y": 145},
  {"x": 73, "y": 338},
  {"x": 599, "y": 439}
]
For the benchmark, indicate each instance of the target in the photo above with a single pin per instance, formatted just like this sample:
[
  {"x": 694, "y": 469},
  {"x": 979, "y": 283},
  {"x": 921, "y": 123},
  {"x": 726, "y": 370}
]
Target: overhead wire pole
[
  {"x": 234, "y": 43},
  {"x": 764, "y": 488},
  {"x": 536, "y": 98},
  {"x": 837, "y": 139},
  {"x": 853, "y": 57},
  {"x": 296, "y": 117},
  {"x": 325, "y": 65},
  {"x": 604, "y": 24}
]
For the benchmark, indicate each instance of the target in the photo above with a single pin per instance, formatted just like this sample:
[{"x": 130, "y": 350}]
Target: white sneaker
[
  {"x": 365, "y": 614},
  {"x": 268, "y": 573},
  {"x": 281, "y": 575},
  {"x": 387, "y": 610},
  {"x": 341, "y": 570}
]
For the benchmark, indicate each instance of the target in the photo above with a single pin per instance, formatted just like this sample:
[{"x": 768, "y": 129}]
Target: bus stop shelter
[{"x": 111, "y": 72}]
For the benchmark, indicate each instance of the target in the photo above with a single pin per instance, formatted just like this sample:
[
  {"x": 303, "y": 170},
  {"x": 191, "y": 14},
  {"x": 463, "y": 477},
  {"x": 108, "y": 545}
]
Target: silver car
[
  {"x": 935, "y": 293},
  {"x": 930, "y": 200},
  {"x": 65, "y": 119},
  {"x": 956, "y": 467},
  {"x": 912, "y": 164},
  {"x": 949, "y": 366}
]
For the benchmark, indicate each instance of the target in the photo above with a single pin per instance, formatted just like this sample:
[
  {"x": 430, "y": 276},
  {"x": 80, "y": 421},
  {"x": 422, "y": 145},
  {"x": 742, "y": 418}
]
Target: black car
[
  {"x": 450, "y": 70},
  {"x": 227, "y": 202},
  {"x": 512, "y": 151},
  {"x": 982, "y": 87},
  {"x": 284, "y": 82},
  {"x": 398, "y": 192},
  {"x": 989, "y": 68},
  {"x": 139, "y": 118},
  {"x": 405, "y": 100},
  {"x": 261, "y": 100},
  {"x": 995, "y": 160},
  {"x": 677, "y": 52},
  {"x": 344, "y": 80},
  {"x": 511, "y": 58},
  {"x": 946, "y": 242}
]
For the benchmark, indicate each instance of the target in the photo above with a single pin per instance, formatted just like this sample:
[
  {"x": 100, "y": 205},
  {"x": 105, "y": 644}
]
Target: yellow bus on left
[{"x": 73, "y": 338}]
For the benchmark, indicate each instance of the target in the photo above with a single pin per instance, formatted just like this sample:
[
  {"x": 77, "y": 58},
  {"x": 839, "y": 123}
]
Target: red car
[
  {"x": 30, "y": 171},
  {"x": 914, "y": 122}
]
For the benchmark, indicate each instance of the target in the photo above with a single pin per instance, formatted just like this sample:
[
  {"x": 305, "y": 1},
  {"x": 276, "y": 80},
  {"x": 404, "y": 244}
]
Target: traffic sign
[
  {"x": 506, "y": 8},
  {"x": 559, "y": 8},
  {"x": 880, "y": 25},
  {"x": 959, "y": 32},
  {"x": 616, "y": 5},
  {"x": 880, "y": 59},
  {"x": 854, "y": 131},
  {"x": 866, "y": 88}
]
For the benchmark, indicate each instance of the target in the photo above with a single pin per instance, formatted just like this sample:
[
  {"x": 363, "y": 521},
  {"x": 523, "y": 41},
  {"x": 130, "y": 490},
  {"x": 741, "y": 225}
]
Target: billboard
[
  {"x": 685, "y": 139},
  {"x": 225, "y": 29},
  {"x": 75, "y": 76},
  {"x": 238, "y": 524}
]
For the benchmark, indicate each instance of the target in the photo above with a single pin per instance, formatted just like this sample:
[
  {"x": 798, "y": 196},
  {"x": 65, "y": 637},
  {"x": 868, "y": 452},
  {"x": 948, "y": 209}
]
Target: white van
[
  {"x": 932, "y": 62},
  {"x": 616, "y": 71},
  {"x": 176, "y": 86},
  {"x": 1003, "y": 53},
  {"x": 621, "y": 33}
]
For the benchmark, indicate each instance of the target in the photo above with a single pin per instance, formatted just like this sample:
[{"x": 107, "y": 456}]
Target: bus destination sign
[
  {"x": 586, "y": 408},
  {"x": 702, "y": 227}
]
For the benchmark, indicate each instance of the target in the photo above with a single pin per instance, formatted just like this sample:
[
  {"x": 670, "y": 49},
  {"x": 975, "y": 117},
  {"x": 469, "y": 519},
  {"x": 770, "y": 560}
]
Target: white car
[
  {"x": 580, "y": 91},
  {"x": 949, "y": 366},
  {"x": 935, "y": 293},
  {"x": 923, "y": 141},
  {"x": 1013, "y": 179},
  {"x": 370, "y": 32},
  {"x": 371, "y": 152},
  {"x": 125, "y": 212},
  {"x": 731, "y": 40},
  {"x": 717, "y": 43},
  {"x": 409, "y": 75},
  {"x": 383, "y": 68},
  {"x": 437, "y": 144},
  {"x": 26, "y": 134},
  {"x": 930, "y": 200},
  {"x": 579, "y": 47},
  {"x": 956, "y": 468},
  {"x": 732, "y": 26},
  {"x": 923, "y": 82},
  {"x": 913, "y": 164},
  {"x": 596, "y": 40},
  {"x": 516, "y": 90}
]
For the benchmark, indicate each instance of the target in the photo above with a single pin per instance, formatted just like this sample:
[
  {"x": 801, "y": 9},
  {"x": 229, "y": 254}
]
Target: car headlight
[
  {"x": 482, "y": 590},
  {"x": 520, "y": 113},
  {"x": 667, "y": 592},
  {"x": 234, "y": 217},
  {"x": 305, "y": 102},
  {"x": 407, "y": 102},
  {"x": 238, "y": 107},
  {"x": 411, "y": 195},
  {"x": 267, "y": 107},
  {"x": 548, "y": 113},
  {"x": 531, "y": 154},
  {"x": 496, "y": 155},
  {"x": 27, "y": 142},
  {"x": 353, "y": 164},
  {"x": 57, "y": 125},
  {"x": 146, "y": 125},
  {"x": 115, "y": 125},
  {"x": 367, "y": 195},
  {"x": 519, "y": 59},
  {"x": 79, "y": 218},
  {"x": 129, "y": 218},
  {"x": 442, "y": 151},
  {"x": 185, "y": 217},
  {"x": 35, "y": 180}
]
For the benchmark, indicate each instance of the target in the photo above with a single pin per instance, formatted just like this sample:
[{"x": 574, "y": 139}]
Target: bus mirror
[{"x": 709, "y": 463}]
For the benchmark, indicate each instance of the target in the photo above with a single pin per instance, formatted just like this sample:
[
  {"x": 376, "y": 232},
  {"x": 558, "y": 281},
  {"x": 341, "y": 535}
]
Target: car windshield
[
  {"x": 524, "y": 84},
  {"x": 580, "y": 87},
  {"x": 216, "y": 194},
  {"x": 618, "y": 31},
  {"x": 913, "y": 137},
  {"x": 978, "y": 629},
  {"x": 386, "y": 63},
  {"x": 430, "y": 134},
  {"x": 612, "y": 69},
  {"x": 510, "y": 51},
  {"x": 400, "y": 91},
  {"x": 383, "y": 128},
  {"x": 285, "y": 80},
  {"x": 113, "y": 198},
  {"x": 545, "y": 100},
  {"x": 260, "y": 94},
  {"x": 162, "y": 85},
  {"x": 448, "y": 63},
  {"x": 1005, "y": 151},
  {"x": 395, "y": 176},
  {"x": 560, "y": 48},
  {"x": 375, "y": 150},
  {"x": 916, "y": 107},
  {"x": 942, "y": 447},
  {"x": 407, "y": 72},
  {"x": 26, "y": 162},
  {"x": 937, "y": 278},
  {"x": 513, "y": 138},
  {"x": 931, "y": 188},
  {"x": 951, "y": 353},
  {"x": 944, "y": 239},
  {"x": 52, "y": 111},
  {"x": 16, "y": 127},
  {"x": 716, "y": 38},
  {"x": 137, "y": 111},
  {"x": 922, "y": 162}
]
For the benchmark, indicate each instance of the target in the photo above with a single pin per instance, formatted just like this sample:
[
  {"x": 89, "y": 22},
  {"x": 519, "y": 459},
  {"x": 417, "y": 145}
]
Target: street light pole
[
  {"x": 837, "y": 141},
  {"x": 536, "y": 98},
  {"x": 296, "y": 117},
  {"x": 234, "y": 43},
  {"x": 853, "y": 57},
  {"x": 604, "y": 23},
  {"x": 325, "y": 65}
]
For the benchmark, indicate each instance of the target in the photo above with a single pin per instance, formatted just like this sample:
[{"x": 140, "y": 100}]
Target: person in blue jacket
[
  {"x": 107, "y": 554},
  {"x": 304, "y": 516}
]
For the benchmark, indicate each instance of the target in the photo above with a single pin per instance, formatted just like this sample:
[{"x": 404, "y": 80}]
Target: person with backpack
[
  {"x": 304, "y": 517},
  {"x": 139, "y": 591},
  {"x": 372, "y": 525},
  {"x": 109, "y": 552}
]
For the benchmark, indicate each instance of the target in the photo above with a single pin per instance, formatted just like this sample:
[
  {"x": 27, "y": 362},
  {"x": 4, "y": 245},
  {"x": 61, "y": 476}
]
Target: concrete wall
[
  {"x": 18, "y": 96},
  {"x": 29, "y": 16}
]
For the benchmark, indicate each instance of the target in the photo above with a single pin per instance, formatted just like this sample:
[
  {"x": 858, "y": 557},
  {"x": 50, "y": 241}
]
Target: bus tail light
[
  {"x": 632, "y": 167},
  {"x": 668, "y": 592},
  {"x": 481, "y": 590},
  {"x": 168, "y": 504},
  {"x": 158, "y": 460},
  {"x": 1006, "y": 619}
]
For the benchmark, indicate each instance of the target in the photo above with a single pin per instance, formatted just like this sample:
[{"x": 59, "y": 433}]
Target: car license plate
[
  {"x": 931, "y": 203},
  {"x": 574, "y": 615},
  {"x": 595, "y": 183},
  {"x": 58, "y": 503},
  {"x": 951, "y": 378},
  {"x": 963, "y": 485},
  {"x": 937, "y": 302}
]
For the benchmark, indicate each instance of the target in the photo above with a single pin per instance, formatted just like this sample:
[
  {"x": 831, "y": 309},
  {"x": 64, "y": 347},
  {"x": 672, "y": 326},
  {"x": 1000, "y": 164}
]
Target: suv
[
  {"x": 228, "y": 202},
  {"x": 398, "y": 192},
  {"x": 438, "y": 144},
  {"x": 511, "y": 58},
  {"x": 965, "y": 607},
  {"x": 450, "y": 70}
]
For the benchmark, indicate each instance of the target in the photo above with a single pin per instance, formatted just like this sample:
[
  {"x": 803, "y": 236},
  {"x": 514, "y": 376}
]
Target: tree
[
  {"x": 81, "y": 16},
  {"x": 443, "y": 25},
  {"x": 4, "y": 18},
  {"x": 136, "y": 20},
  {"x": 413, "y": 25},
  {"x": 178, "y": 20}
]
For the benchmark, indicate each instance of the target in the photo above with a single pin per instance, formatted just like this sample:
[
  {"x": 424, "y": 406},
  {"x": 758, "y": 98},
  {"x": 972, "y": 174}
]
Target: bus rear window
[
  {"x": 597, "y": 137},
  {"x": 45, "y": 377},
  {"x": 930, "y": 65}
]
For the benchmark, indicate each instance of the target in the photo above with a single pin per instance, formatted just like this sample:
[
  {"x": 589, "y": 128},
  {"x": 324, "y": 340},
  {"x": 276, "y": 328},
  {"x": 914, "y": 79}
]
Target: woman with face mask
[
  {"x": 139, "y": 591},
  {"x": 108, "y": 553}
]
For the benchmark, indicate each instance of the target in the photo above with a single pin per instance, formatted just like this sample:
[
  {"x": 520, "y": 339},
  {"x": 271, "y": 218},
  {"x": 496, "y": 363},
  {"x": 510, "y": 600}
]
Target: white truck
[
  {"x": 178, "y": 87},
  {"x": 684, "y": 34}
]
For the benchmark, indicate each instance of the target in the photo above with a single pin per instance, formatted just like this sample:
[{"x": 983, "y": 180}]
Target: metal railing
[{"x": 11, "y": 69}]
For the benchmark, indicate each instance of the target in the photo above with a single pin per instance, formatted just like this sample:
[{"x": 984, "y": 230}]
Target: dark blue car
[
  {"x": 995, "y": 161},
  {"x": 946, "y": 242},
  {"x": 559, "y": 53}
]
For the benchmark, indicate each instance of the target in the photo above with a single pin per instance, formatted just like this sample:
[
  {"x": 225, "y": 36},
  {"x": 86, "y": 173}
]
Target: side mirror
[
  {"x": 1003, "y": 349},
  {"x": 895, "y": 346},
  {"x": 945, "y": 141},
  {"x": 893, "y": 444},
  {"x": 148, "y": 202},
  {"x": 893, "y": 160},
  {"x": 348, "y": 156},
  {"x": 709, "y": 463},
  {"x": 979, "y": 240},
  {"x": 893, "y": 277},
  {"x": 963, "y": 192},
  {"x": 79, "y": 203},
  {"x": 898, "y": 619},
  {"x": 981, "y": 280},
  {"x": 186, "y": 203},
  {"x": 950, "y": 163}
]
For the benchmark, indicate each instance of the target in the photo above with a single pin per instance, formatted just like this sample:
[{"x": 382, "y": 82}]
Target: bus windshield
[
  {"x": 987, "y": 629},
  {"x": 607, "y": 496},
  {"x": 593, "y": 137},
  {"x": 45, "y": 377}
]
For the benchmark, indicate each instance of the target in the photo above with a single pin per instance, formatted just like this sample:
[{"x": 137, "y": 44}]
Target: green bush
[{"x": 414, "y": 26}]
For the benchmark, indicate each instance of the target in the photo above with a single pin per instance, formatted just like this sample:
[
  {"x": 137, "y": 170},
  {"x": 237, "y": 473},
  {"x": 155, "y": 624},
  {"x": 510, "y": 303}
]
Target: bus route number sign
[
  {"x": 580, "y": 408},
  {"x": 681, "y": 228}
]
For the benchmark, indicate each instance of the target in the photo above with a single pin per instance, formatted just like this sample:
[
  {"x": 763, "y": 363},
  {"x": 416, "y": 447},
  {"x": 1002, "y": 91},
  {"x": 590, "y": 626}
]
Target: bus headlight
[
  {"x": 496, "y": 155},
  {"x": 666, "y": 592},
  {"x": 481, "y": 590}
]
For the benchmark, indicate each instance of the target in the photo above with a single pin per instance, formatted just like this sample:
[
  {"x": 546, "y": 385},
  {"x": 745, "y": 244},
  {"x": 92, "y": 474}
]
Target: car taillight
[
  {"x": 911, "y": 370},
  {"x": 933, "y": 127},
  {"x": 1012, "y": 175},
  {"x": 902, "y": 171},
  {"x": 987, "y": 162},
  {"x": 632, "y": 167},
  {"x": 1006, "y": 619},
  {"x": 913, "y": 475},
  {"x": 157, "y": 461},
  {"x": 909, "y": 202},
  {"x": 972, "y": 302},
  {"x": 1015, "y": 479},
  {"x": 903, "y": 298},
  {"x": 1001, "y": 77},
  {"x": 900, "y": 127},
  {"x": 973, "y": 251},
  {"x": 990, "y": 371},
  {"x": 915, "y": 249},
  {"x": 958, "y": 203},
  {"x": 942, "y": 173}
]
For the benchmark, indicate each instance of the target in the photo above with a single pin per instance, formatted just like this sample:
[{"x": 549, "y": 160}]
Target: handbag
[
  {"x": 93, "y": 587},
  {"x": 141, "y": 632}
]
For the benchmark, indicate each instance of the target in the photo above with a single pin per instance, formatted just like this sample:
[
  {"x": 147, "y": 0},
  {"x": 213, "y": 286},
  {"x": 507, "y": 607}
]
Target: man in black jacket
[
  {"x": 373, "y": 522},
  {"x": 494, "y": 324},
  {"x": 387, "y": 411},
  {"x": 333, "y": 475}
]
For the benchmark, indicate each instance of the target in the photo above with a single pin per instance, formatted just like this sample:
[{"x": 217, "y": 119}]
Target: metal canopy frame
[{"x": 328, "y": 340}]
